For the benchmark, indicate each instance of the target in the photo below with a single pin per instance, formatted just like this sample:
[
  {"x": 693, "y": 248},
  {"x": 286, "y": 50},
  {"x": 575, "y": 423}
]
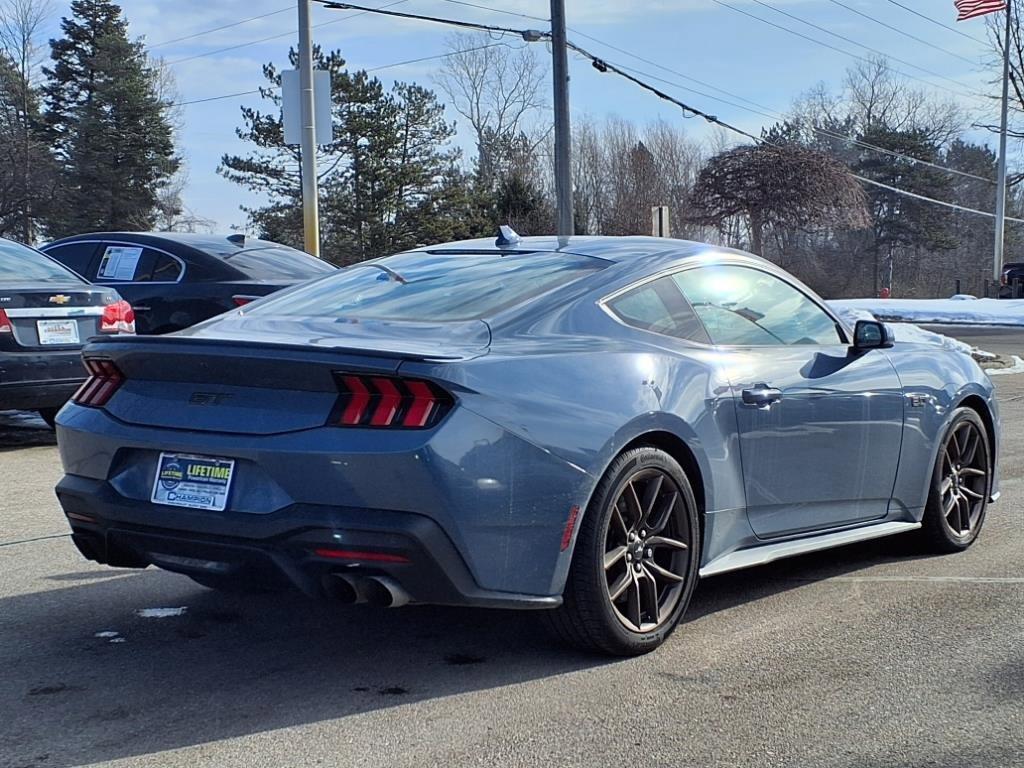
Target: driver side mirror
[{"x": 871, "y": 334}]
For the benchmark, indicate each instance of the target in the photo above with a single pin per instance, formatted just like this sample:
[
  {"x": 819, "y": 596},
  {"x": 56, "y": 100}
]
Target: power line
[
  {"x": 603, "y": 66},
  {"x": 768, "y": 112},
  {"x": 436, "y": 19},
  {"x": 899, "y": 31},
  {"x": 939, "y": 23},
  {"x": 218, "y": 29},
  {"x": 838, "y": 49},
  {"x": 371, "y": 69},
  {"x": 850, "y": 40},
  {"x": 499, "y": 10},
  {"x": 278, "y": 37}
]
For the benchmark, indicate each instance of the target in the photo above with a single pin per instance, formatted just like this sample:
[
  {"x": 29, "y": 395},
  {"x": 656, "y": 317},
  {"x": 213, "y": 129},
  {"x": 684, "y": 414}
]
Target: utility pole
[
  {"x": 997, "y": 261},
  {"x": 310, "y": 207},
  {"x": 563, "y": 136}
]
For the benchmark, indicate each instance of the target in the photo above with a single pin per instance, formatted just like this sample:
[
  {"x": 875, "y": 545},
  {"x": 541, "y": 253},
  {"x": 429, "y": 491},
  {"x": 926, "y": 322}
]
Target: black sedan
[
  {"x": 46, "y": 314},
  {"x": 174, "y": 280}
]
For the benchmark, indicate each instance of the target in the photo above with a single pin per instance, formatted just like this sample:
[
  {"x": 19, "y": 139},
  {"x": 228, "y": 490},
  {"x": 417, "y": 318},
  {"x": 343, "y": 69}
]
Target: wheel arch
[
  {"x": 679, "y": 450},
  {"x": 977, "y": 404}
]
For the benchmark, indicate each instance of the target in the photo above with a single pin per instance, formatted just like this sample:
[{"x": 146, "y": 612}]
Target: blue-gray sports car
[{"x": 584, "y": 425}]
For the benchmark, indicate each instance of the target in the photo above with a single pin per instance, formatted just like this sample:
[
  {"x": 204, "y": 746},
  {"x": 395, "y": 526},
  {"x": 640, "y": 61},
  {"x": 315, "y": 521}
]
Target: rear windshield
[
  {"x": 432, "y": 288},
  {"x": 19, "y": 264},
  {"x": 277, "y": 264}
]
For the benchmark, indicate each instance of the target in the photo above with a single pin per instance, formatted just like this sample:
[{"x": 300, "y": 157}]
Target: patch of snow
[
  {"x": 956, "y": 311},
  {"x": 106, "y": 633},
  {"x": 118, "y": 640},
  {"x": 1017, "y": 367},
  {"x": 963, "y": 297},
  {"x": 160, "y": 613},
  {"x": 905, "y": 332}
]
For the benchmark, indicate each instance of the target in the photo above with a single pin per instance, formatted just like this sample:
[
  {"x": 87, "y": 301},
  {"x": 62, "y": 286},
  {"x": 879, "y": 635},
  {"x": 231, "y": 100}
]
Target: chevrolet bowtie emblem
[{"x": 60, "y": 298}]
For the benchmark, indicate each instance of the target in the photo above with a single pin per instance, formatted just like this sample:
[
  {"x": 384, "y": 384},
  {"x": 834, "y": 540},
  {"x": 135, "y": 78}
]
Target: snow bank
[
  {"x": 1017, "y": 367},
  {"x": 959, "y": 310}
]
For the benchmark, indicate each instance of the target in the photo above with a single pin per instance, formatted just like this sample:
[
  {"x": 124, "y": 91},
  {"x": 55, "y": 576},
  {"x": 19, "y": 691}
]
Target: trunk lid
[
  {"x": 59, "y": 316},
  {"x": 263, "y": 381}
]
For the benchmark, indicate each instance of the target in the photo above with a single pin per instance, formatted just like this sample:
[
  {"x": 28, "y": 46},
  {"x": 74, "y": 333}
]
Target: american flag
[{"x": 970, "y": 8}]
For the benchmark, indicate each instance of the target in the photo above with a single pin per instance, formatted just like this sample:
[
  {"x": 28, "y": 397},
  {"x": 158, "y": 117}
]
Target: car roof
[
  {"x": 617, "y": 249},
  {"x": 214, "y": 245}
]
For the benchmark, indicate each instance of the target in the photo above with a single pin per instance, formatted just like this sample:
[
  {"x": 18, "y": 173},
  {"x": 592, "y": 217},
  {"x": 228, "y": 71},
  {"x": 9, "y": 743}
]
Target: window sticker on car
[{"x": 119, "y": 262}]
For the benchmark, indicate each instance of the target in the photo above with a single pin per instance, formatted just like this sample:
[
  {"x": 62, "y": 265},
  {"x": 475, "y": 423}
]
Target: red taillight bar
[
  {"x": 104, "y": 379},
  {"x": 5, "y": 323},
  {"x": 358, "y": 554},
  {"x": 385, "y": 401}
]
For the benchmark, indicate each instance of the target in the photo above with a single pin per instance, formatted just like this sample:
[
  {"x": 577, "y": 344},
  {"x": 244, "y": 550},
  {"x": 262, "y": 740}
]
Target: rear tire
[
  {"x": 49, "y": 415},
  {"x": 960, "y": 487},
  {"x": 634, "y": 567}
]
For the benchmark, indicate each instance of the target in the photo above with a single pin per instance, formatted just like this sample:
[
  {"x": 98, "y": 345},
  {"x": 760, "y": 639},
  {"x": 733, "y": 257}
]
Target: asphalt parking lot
[{"x": 873, "y": 655}]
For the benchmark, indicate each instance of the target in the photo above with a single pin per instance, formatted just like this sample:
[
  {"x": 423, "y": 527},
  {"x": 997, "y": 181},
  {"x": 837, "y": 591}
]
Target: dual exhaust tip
[{"x": 379, "y": 591}]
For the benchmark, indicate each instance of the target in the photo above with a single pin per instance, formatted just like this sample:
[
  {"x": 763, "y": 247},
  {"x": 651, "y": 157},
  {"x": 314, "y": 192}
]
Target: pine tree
[
  {"x": 386, "y": 175},
  {"x": 110, "y": 131}
]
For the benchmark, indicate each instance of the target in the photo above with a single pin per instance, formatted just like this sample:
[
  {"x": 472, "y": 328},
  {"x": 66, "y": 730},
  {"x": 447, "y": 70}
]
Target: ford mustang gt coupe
[{"x": 583, "y": 425}]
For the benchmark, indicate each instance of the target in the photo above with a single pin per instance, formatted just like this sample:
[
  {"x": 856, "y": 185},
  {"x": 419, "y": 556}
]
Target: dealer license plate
[
  {"x": 57, "y": 332},
  {"x": 197, "y": 482}
]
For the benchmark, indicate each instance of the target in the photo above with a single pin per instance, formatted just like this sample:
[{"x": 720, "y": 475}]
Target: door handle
[{"x": 761, "y": 395}]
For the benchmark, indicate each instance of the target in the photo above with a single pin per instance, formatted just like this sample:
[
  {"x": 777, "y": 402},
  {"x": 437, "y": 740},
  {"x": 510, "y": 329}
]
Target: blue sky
[{"x": 698, "y": 38}]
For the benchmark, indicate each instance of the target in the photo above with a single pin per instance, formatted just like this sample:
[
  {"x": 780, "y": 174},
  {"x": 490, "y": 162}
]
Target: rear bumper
[
  {"x": 287, "y": 547},
  {"x": 30, "y": 380}
]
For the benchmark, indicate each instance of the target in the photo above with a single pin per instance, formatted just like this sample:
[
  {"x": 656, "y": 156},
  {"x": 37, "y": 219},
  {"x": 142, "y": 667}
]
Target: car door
[
  {"x": 147, "y": 278},
  {"x": 819, "y": 424}
]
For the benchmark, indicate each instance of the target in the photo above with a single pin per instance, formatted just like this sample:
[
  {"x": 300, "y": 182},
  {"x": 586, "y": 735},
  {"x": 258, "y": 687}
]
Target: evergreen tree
[
  {"x": 900, "y": 221},
  {"x": 25, "y": 167},
  {"x": 387, "y": 174},
  {"x": 110, "y": 131}
]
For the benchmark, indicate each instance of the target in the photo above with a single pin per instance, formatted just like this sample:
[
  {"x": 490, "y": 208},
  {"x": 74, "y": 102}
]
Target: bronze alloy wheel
[
  {"x": 647, "y": 550},
  {"x": 634, "y": 566},
  {"x": 965, "y": 478}
]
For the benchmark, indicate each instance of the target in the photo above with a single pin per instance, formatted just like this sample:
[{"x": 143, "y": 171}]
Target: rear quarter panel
[{"x": 935, "y": 381}]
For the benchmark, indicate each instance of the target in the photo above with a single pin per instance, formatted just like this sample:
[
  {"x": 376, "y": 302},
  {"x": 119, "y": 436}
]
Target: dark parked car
[
  {"x": 174, "y": 280},
  {"x": 578, "y": 425},
  {"x": 46, "y": 315},
  {"x": 1012, "y": 281}
]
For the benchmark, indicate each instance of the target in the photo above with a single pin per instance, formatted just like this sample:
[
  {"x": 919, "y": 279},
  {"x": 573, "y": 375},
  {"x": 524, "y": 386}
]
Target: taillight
[
  {"x": 118, "y": 317},
  {"x": 386, "y": 401},
  {"x": 5, "y": 323},
  {"x": 104, "y": 379},
  {"x": 241, "y": 300}
]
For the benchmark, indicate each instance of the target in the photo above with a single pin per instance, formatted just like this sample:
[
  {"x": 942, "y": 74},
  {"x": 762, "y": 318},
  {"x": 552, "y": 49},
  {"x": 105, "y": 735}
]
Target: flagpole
[{"x": 997, "y": 262}]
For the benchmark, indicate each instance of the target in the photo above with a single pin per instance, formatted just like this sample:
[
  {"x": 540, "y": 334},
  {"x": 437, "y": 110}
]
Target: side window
[
  {"x": 747, "y": 307},
  {"x": 659, "y": 307},
  {"x": 74, "y": 256},
  {"x": 166, "y": 269},
  {"x": 136, "y": 264}
]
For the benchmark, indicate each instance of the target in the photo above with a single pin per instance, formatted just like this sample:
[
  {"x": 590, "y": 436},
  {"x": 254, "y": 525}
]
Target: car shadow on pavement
[
  {"x": 730, "y": 589},
  {"x": 87, "y": 679},
  {"x": 23, "y": 429},
  {"x": 90, "y": 679}
]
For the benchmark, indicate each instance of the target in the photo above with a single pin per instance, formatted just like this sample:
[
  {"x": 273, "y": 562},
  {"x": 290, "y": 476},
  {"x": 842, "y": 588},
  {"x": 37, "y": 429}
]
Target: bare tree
[
  {"x": 778, "y": 187},
  {"x": 498, "y": 90}
]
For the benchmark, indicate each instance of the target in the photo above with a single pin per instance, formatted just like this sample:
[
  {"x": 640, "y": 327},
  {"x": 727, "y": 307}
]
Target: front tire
[
  {"x": 634, "y": 568},
  {"x": 961, "y": 484}
]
